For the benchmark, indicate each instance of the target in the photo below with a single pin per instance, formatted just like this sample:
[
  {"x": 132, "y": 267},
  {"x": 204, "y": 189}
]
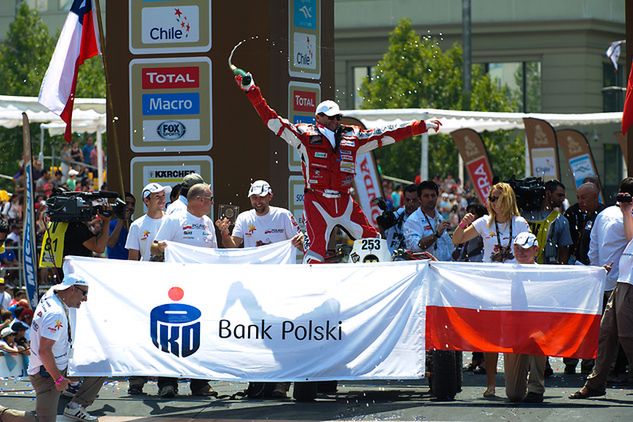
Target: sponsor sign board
[
  {"x": 170, "y": 105},
  {"x": 167, "y": 171},
  {"x": 163, "y": 27},
  {"x": 304, "y": 38},
  {"x": 295, "y": 199},
  {"x": 303, "y": 98},
  {"x": 481, "y": 174}
]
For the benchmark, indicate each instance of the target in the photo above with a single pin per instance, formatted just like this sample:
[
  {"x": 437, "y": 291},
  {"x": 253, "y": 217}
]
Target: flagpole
[{"x": 115, "y": 120}]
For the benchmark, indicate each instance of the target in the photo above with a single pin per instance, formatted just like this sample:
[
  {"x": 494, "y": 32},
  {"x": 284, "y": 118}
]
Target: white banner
[
  {"x": 244, "y": 322},
  {"x": 275, "y": 253},
  {"x": 368, "y": 186}
]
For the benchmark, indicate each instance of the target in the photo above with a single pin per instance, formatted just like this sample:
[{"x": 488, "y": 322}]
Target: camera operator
[
  {"x": 119, "y": 229},
  {"x": 550, "y": 226},
  {"x": 391, "y": 222}
]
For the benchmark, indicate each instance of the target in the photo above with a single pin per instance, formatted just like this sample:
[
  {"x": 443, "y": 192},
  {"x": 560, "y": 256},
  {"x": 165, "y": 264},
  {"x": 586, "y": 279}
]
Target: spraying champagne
[{"x": 246, "y": 77}]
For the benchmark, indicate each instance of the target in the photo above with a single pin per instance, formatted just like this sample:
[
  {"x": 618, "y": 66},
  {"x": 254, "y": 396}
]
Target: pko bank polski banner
[{"x": 250, "y": 322}]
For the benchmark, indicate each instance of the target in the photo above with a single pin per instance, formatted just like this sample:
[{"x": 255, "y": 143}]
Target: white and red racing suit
[{"x": 329, "y": 172}]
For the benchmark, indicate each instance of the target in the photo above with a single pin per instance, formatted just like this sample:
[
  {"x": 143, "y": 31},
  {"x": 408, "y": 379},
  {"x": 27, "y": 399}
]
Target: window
[
  {"x": 39, "y": 5},
  {"x": 360, "y": 73},
  {"x": 523, "y": 81},
  {"x": 614, "y": 91},
  {"x": 612, "y": 171}
]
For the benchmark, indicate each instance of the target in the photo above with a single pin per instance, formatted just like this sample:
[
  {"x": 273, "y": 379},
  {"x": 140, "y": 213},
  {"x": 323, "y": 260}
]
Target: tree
[{"x": 416, "y": 73}]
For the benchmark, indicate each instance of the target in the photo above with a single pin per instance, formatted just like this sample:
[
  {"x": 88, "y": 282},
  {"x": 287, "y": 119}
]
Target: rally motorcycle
[{"x": 443, "y": 367}]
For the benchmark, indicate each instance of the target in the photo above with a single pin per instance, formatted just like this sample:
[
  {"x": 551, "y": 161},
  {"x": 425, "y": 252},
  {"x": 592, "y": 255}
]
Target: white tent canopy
[
  {"x": 89, "y": 114},
  {"x": 477, "y": 120}
]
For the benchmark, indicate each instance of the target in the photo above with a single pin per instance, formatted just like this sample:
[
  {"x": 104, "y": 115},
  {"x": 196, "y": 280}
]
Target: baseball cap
[
  {"x": 525, "y": 240},
  {"x": 6, "y": 331},
  {"x": 73, "y": 172},
  {"x": 69, "y": 281},
  {"x": 328, "y": 107},
  {"x": 1, "y": 281},
  {"x": 191, "y": 179},
  {"x": 259, "y": 187},
  {"x": 151, "y": 188},
  {"x": 18, "y": 326}
]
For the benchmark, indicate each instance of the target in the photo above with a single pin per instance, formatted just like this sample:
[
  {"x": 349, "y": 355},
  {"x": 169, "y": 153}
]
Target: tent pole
[{"x": 424, "y": 157}]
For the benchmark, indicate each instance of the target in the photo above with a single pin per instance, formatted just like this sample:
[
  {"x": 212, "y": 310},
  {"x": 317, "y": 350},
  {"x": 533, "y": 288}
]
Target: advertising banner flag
[
  {"x": 250, "y": 322},
  {"x": 367, "y": 180},
  {"x": 549, "y": 310},
  {"x": 542, "y": 149},
  {"x": 578, "y": 152},
  {"x": 29, "y": 251},
  {"x": 275, "y": 253},
  {"x": 473, "y": 151}
]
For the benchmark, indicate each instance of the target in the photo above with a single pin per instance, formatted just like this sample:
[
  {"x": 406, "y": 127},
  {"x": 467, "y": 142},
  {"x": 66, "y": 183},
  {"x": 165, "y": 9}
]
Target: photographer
[
  {"x": 425, "y": 230},
  {"x": 119, "y": 230},
  {"x": 391, "y": 222}
]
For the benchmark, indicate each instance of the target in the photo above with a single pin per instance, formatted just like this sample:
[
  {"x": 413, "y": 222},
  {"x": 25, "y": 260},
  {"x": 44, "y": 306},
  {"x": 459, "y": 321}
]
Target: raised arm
[{"x": 379, "y": 137}]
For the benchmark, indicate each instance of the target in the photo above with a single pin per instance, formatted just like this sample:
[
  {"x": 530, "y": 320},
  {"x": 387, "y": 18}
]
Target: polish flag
[
  {"x": 550, "y": 310},
  {"x": 77, "y": 42}
]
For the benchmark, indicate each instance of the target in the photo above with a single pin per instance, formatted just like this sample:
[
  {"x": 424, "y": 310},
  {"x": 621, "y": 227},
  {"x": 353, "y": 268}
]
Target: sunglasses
[
  {"x": 492, "y": 198},
  {"x": 84, "y": 292},
  {"x": 210, "y": 198},
  {"x": 336, "y": 116}
]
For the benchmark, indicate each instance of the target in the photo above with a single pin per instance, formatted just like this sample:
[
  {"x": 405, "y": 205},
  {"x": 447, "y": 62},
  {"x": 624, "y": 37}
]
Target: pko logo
[{"x": 175, "y": 327}]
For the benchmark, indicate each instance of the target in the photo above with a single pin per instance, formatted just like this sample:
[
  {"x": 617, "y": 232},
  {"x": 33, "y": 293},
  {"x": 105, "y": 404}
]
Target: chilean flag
[
  {"x": 550, "y": 310},
  {"x": 78, "y": 42}
]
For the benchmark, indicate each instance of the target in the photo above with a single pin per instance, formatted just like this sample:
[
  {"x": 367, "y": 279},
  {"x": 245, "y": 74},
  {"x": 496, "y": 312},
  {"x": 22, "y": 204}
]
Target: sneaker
[
  {"x": 167, "y": 392},
  {"x": 79, "y": 414},
  {"x": 533, "y": 398},
  {"x": 570, "y": 369},
  {"x": 205, "y": 391},
  {"x": 72, "y": 389},
  {"x": 135, "y": 391}
]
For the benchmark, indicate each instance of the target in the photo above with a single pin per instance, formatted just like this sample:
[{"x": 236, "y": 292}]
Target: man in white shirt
[
  {"x": 425, "y": 230},
  {"x": 261, "y": 225},
  {"x": 392, "y": 227},
  {"x": 607, "y": 240},
  {"x": 51, "y": 348},
  {"x": 143, "y": 230},
  {"x": 180, "y": 204},
  {"x": 5, "y": 297},
  {"x": 192, "y": 227},
  {"x": 617, "y": 321}
]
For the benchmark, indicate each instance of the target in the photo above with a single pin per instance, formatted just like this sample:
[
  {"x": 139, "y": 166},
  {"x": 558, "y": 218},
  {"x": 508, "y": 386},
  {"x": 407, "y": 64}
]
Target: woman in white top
[{"x": 498, "y": 230}]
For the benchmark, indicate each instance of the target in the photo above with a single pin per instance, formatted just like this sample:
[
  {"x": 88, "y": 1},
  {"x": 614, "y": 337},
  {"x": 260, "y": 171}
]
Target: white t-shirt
[
  {"x": 178, "y": 206},
  {"x": 188, "y": 229},
  {"x": 626, "y": 265},
  {"x": 276, "y": 226},
  {"x": 141, "y": 235},
  {"x": 489, "y": 234},
  {"x": 49, "y": 321}
]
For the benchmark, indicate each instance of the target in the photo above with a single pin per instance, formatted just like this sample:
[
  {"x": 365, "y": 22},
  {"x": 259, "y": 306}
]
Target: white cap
[
  {"x": 69, "y": 281},
  {"x": 525, "y": 240},
  {"x": 73, "y": 172},
  {"x": 151, "y": 188},
  {"x": 259, "y": 187},
  {"x": 6, "y": 331},
  {"x": 328, "y": 107}
]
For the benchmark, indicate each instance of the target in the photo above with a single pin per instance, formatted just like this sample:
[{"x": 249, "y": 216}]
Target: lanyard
[
  {"x": 499, "y": 237},
  {"x": 432, "y": 229}
]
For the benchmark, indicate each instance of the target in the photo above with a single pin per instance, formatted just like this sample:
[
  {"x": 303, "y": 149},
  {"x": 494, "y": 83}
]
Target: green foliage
[
  {"x": 24, "y": 57},
  {"x": 416, "y": 73},
  {"x": 24, "y": 54}
]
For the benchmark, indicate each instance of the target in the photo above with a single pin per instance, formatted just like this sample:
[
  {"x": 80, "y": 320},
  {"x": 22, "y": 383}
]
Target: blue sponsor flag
[{"x": 29, "y": 251}]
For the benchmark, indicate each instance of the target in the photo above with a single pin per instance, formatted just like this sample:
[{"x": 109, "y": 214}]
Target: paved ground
[{"x": 354, "y": 401}]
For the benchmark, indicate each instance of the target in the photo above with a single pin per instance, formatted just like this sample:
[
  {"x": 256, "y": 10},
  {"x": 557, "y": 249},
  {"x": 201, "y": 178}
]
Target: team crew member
[
  {"x": 260, "y": 226},
  {"x": 193, "y": 227},
  {"x": 52, "y": 333},
  {"x": 180, "y": 204},
  {"x": 395, "y": 233},
  {"x": 263, "y": 224},
  {"x": 328, "y": 155},
  {"x": 425, "y": 230},
  {"x": 517, "y": 366},
  {"x": 143, "y": 230}
]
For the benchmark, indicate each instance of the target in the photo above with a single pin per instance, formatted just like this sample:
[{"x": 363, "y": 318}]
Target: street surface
[{"x": 379, "y": 400}]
